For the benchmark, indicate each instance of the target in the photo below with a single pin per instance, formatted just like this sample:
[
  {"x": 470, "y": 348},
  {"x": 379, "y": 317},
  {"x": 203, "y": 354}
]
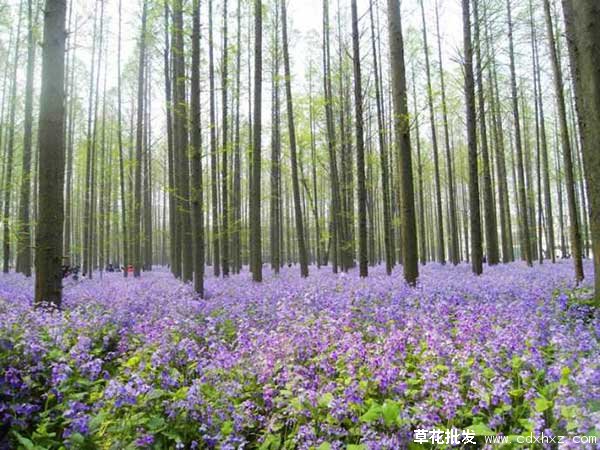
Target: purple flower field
[{"x": 331, "y": 362}]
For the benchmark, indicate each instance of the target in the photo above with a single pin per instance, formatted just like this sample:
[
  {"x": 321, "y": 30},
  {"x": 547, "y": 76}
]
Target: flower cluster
[{"x": 335, "y": 361}]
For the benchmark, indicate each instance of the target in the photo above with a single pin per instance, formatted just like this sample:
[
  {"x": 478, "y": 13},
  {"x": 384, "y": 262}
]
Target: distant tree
[{"x": 303, "y": 256}]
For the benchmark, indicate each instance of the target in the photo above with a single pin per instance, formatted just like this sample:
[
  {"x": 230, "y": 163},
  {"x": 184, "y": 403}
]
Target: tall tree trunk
[
  {"x": 452, "y": 222},
  {"x": 441, "y": 254},
  {"x": 303, "y": 257},
  {"x": 402, "y": 136},
  {"x": 335, "y": 208},
  {"x": 137, "y": 208},
  {"x": 421, "y": 212},
  {"x": 474, "y": 209},
  {"x": 174, "y": 236},
  {"x": 360, "y": 148},
  {"x": 525, "y": 236},
  {"x": 213, "y": 149},
  {"x": 24, "y": 243},
  {"x": 275, "y": 199},
  {"x": 491, "y": 226},
  {"x": 255, "y": 200},
  {"x": 225, "y": 152},
  {"x": 196, "y": 163},
  {"x": 383, "y": 158},
  {"x": 582, "y": 19},
  {"x": 181, "y": 140},
  {"x": 10, "y": 150},
  {"x": 575, "y": 233},
  {"x": 49, "y": 237},
  {"x": 237, "y": 185}
]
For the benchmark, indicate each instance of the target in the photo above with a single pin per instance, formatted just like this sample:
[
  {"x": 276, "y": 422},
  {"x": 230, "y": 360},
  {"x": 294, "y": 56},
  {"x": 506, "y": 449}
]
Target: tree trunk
[
  {"x": 575, "y": 233},
  {"x": 11, "y": 151},
  {"x": 196, "y": 184},
  {"x": 24, "y": 243},
  {"x": 402, "y": 136},
  {"x": 441, "y": 254},
  {"x": 491, "y": 226},
  {"x": 525, "y": 236},
  {"x": 474, "y": 208},
  {"x": 255, "y": 200},
  {"x": 48, "y": 258},
  {"x": 225, "y": 152},
  {"x": 303, "y": 257},
  {"x": 582, "y": 19}
]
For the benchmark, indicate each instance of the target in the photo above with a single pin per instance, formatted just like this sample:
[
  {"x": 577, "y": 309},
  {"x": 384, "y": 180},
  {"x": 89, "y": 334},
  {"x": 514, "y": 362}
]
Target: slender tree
[
  {"x": 441, "y": 253},
  {"x": 522, "y": 197},
  {"x": 360, "y": 147},
  {"x": 24, "y": 243},
  {"x": 474, "y": 209},
  {"x": 225, "y": 152},
  {"x": 302, "y": 253},
  {"x": 575, "y": 232},
  {"x": 139, "y": 143},
  {"x": 402, "y": 142},
  {"x": 255, "y": 218},
  {"x": 196, "y": 163}
]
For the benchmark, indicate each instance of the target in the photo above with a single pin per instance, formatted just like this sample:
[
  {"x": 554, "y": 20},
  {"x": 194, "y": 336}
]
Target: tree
[
  {"x": 10, "y": 151},
  {"x": 196, "y": 163},
  {"x": 383, "y": 157},
  {"x": 137, "y": 211},
  {"x": 213, "y": 149},
  {"x": 474, "y": 210},
  {"x": 255, "y": 226},
  {"x": 402, "y": 142},
  {"x": 360, "y": 148},
  {"x": 225, "y": 152},
  {"x": 120, "y": 145},
  {"x": 575, "y": 232},
  {"x": 48, "y": 257},
  {"x": 582, "y": 20},
  {"x": 491, "y": 226},
  {"x": 24, "y": 243},
  {"x": 293, "y": 158},
  {"x": 441, "y": 253},
  {"x": 180, "y": 149},
  {"x": 524, "y": 215}
]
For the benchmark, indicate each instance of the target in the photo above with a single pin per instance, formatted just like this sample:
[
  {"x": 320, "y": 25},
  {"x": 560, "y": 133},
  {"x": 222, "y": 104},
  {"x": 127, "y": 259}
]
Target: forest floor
[{"x": 328, "y": 362}]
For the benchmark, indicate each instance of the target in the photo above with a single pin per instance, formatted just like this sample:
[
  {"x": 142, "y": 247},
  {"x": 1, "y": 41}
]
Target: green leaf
[
  {"x": 372, "y": 414},
  {"x": 390, "y": 411},
  {"x": 324, "y": 446},
  {"x": 132, "y": 362},
  {"x": 326, "y": 400},
  {"x": 24, "y": 441},
  {"x": 272, "y": 441},
  {"x": 526, "y": 424},
  {"x": 542, "y": 404},
  {"x": 155, "y": 423},
  {"x": 516, "y": 392},
  {"x": 356, "y": 447},
  {"x": 227, "y": 428},
  {"x": 481, "y": 429}
]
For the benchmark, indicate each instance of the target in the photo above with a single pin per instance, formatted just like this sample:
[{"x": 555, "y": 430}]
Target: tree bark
[
  {"x": 474, "y": 208},
  {"x": 575, "y": 232},
  {"x": 402, "y": 137},
  {"x": 48, "y": 258}
]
